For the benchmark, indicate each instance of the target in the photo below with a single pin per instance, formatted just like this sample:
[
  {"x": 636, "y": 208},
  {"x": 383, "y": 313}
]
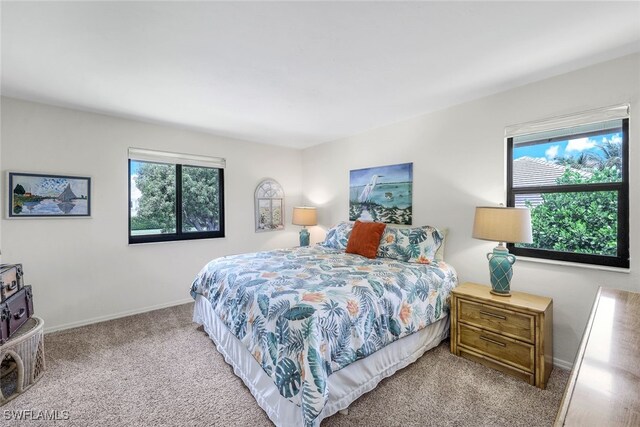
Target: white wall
[
  {"x": 83, "y": 269},
  {"x": 459, "y": 163}
]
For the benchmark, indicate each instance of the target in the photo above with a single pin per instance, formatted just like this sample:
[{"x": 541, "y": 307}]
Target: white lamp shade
[
  {"x": 500, "y": 224},
  {"x": 304, "y": 216}
]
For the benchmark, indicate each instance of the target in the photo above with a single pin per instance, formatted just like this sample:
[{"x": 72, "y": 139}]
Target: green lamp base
[
  {"x": 500, "y": 262},
  {"x": 304, "y": 237}
]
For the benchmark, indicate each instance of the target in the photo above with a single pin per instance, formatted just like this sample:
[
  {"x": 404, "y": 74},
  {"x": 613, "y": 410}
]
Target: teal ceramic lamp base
[
  {"x": 304, "y": 237},
  {"x": 500, "y": 262}
]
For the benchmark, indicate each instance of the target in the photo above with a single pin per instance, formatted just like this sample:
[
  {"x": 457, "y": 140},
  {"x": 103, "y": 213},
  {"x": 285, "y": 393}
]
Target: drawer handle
[
  {"x": 497, "y": 316},
  {"x": 501, "y": 344}
]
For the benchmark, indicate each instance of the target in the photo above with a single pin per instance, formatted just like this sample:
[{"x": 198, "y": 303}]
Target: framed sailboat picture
[{"x": 36, "y": 195}]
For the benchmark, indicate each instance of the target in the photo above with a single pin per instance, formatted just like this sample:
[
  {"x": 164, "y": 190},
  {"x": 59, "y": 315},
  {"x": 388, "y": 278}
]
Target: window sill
[
  {"x": 575, "y": 264},
  {"x": 175, "y": 241}
]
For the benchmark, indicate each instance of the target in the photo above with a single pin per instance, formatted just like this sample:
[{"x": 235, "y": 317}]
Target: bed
[{"x": 311, "y": 329}]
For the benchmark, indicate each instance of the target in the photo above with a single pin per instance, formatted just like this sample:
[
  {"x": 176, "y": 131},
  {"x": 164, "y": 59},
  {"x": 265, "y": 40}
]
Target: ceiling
[{"x": 296, "y": 73}]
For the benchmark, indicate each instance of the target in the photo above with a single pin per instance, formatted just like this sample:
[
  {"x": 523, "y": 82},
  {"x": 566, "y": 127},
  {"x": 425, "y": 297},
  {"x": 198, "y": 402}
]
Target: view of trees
[
  {"x": 581, "y": 222},
  {"x": 157, "y": 203},
  {"x": 609, "y": 154},
  {"x": 200, "y": 207}
]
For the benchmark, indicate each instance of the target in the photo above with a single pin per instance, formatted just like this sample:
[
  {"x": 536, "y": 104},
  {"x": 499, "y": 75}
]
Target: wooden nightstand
[{"x": 512, "y": 334}]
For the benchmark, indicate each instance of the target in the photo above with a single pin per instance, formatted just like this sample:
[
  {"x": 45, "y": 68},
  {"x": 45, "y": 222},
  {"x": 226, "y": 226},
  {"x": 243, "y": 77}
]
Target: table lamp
[
  {"x": 304, "y": 216},
  {"x": 501, "y": 224}
]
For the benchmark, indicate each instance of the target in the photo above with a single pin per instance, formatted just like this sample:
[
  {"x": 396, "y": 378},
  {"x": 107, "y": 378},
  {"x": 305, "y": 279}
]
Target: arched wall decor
[{"x": 269, "y": 205}]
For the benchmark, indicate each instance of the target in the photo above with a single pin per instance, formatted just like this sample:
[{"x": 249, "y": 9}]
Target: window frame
[
  {"x": 621, "y": 260},
  {"x": 179, "y": 234}
]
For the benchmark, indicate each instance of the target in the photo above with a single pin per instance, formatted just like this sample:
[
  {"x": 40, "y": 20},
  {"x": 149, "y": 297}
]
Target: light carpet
[{"x": 160, "y": 369}]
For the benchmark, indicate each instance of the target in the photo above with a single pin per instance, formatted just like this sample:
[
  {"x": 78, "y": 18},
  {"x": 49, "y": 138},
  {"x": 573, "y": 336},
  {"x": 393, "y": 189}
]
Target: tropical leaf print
[
  {"x": 299, "y": 312},
  {"x": 437, "y": 236},
  {"x": 414, "y": 245},
  {"x": 240, "y": 326},
  {"x": 282, "y": 331},
  {"x": 277, "y": 294},
  {"x": 332, "y": 308},
  {"x": 368, "y": 324},
  {"x": 401, "y": 252},
  {"x": 287, "y": 377},
  {"x": 316, "y": 367},
  {"x": 338, "y": 236},
  {"x": 394, "y": 327},
  {"x": 413, "y": 250},
  {"x": 310, "y": 409},
  {"x": 305, "y": 313},
  {"x": 389, "y": 287},
  {"x": 271, "y": 345},
  {"x": 417, "y": 235},
  {"x": 329, "y": 329},
  {"x": 422, "y": 290},
  {"x": 308, "y": 328},
  {"x": 257, "y": 330},
  {"x": 295, "y": 345},
  {"x": 263, "y": 303},
  {"x": 429, "y": 311},
  {"x": 278, "y": 308},
  {"x": 377, "y": 287},
  {"x": 255, "y": 282}
]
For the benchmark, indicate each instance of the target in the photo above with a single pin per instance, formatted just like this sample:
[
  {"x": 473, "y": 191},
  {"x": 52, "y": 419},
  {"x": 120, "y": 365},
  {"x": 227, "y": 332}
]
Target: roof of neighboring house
[{"x": 529, "y": 171}]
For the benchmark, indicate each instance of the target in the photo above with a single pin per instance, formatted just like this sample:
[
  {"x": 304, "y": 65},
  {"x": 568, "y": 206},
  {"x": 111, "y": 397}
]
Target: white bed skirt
[{"x": 345, "y": 385}]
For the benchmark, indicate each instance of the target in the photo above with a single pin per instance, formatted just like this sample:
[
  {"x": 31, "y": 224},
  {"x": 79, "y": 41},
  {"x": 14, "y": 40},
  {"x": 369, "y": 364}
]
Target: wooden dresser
[
  {"x": 604, "y": 386},
  {"x": 512, "y": 334}
]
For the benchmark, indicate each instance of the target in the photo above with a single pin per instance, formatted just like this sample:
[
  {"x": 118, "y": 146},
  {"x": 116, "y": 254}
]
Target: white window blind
[
  {"x": 559, "y": 126},
  {"x": 569, "y": 132},
  {"x": 147, "y": 155}
]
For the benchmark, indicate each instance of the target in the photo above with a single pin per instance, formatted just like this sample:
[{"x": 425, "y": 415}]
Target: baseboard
[
  {"x": 48, "y": 330},
  {"x": 562, "y": 364}
]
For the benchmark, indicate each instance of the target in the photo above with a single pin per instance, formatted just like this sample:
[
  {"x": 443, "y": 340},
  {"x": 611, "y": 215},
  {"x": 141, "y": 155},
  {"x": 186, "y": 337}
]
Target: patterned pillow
[
  {"x": 338, "y": 236},
  {"x": 439, "y": 256},
  {"x": 418, "y": 244}
]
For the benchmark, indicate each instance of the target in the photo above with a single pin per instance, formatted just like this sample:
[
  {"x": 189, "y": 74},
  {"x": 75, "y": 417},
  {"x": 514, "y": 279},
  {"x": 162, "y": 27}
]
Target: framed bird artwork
[{"x": 382, "y": 194}]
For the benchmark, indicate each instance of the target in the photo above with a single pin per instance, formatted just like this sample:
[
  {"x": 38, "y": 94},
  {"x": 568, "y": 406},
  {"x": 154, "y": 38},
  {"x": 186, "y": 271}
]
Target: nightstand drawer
[
  {"x": 504, "y": 322},
  {"x": 504, "y": 349}
]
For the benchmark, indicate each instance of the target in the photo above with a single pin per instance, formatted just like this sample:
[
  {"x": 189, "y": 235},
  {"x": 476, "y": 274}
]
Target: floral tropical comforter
[{"x": 307, "y": 312}]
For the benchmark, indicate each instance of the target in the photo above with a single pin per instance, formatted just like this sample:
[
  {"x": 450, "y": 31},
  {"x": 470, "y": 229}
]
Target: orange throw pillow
[{"x": 365, "y": 238}]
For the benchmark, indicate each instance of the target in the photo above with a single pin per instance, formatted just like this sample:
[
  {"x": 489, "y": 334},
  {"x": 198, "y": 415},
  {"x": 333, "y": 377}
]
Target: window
[
  {"x": 174, "y": 196},
  {"x": 575, "y": 180}
]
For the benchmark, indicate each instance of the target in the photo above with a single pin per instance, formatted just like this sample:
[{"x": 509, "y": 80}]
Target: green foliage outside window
[
  {"x": 580, "y": 222},
  {"x": 157, "y": 203},
  {"x": 200, "y": 199},
  {"x": 156, "y": 208}
]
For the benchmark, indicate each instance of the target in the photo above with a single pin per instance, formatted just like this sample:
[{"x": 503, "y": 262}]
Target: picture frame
[
  {"x": 382, "y": 194},
  {"x": 34, "y": 195}
]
